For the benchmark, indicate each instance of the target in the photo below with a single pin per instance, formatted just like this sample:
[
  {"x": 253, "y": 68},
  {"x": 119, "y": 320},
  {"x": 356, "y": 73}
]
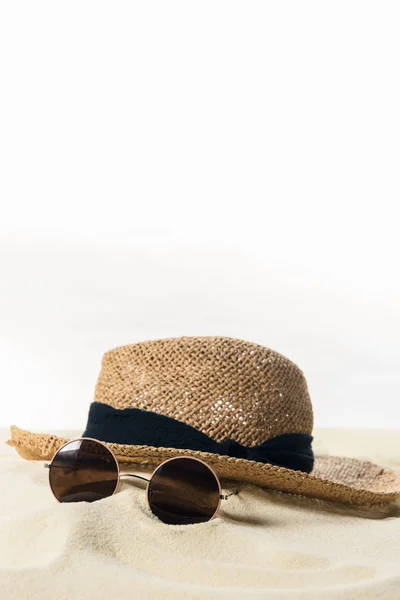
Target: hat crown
[{"x": 224, "y": 387}]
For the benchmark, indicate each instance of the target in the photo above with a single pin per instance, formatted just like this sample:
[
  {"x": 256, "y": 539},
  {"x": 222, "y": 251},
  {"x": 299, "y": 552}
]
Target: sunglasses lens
[
  {"x": 83, "y": 471},
  {"x": 184, "y": 491}
]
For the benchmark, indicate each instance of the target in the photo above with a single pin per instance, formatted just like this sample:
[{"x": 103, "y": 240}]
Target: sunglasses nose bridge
[{"x": 133, "y": 475}]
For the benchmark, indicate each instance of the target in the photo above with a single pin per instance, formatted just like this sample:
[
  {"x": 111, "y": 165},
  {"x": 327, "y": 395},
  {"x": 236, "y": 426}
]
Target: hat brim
[{"x": 333, "y": 478}]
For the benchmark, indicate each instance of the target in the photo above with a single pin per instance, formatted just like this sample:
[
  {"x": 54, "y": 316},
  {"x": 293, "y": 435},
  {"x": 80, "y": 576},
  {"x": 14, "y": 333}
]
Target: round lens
[
  {"x": 83, "y": 471},
  {"x": 183, "y": 491}
]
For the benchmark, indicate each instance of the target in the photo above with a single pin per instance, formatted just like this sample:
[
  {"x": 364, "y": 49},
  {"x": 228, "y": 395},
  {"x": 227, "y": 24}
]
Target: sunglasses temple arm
[
  {"x": 51, "y": 466},
  {"x": 226, "y": 496}
]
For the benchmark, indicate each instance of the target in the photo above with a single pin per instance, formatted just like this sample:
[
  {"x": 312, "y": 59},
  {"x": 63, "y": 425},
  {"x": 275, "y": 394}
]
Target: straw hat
[{"x": 242, "y": 408}]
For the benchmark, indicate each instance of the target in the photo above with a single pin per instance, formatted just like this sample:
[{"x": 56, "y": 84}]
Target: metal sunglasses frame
[{"x": 136, "y": 476}]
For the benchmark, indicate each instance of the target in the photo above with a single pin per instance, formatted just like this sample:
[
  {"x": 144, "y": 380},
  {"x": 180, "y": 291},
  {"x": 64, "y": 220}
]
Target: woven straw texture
[{"x": 226, "y": 388}]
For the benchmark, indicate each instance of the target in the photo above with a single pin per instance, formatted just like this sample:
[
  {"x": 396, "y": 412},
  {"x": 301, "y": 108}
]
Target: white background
[{"x": 199, "y": 168}]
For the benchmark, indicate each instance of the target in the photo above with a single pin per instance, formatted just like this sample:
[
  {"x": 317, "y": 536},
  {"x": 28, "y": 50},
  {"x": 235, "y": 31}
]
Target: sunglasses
[{"x": 181, "y": 490}]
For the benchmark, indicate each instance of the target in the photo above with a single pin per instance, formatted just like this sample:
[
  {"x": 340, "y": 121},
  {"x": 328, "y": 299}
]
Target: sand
[{"x": 264, "y": 544}]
